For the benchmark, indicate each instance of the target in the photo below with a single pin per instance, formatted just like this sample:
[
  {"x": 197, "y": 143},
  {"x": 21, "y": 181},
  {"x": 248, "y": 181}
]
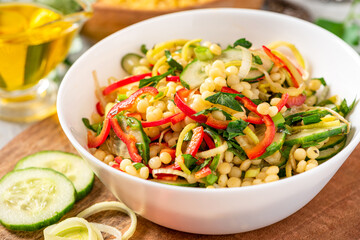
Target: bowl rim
[{"x": 346, "y": 150}]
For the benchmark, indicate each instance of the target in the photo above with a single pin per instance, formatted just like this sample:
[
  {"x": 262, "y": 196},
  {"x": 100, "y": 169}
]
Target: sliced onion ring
[
  {"x": 245, "y": 63},
  {"x": 212, "y": 152}
]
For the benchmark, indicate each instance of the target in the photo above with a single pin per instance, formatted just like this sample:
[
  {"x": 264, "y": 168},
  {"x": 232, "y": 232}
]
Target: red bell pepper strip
[
  {"x": 170, "y": 151},
  {"x": 155, "y": 138},
  {"x": 269, "y": 135},
  {"x": 178, "y": 118},
  {"x": 182, "y": 105},
  {"x": 174, "y": 166},
  {"x": 95, "y": 141},
  {"x": 244, "y": 100},
  {"x": 253, "y": 120},
  {"x": 124, "y": 82},
  {"x": 129, "y": 140},
  {"x": 158, "y": 122},
  {"x": 118, "y": 159},
  {"x": 203, "y": 172},
  {"x": 209, "y": 142},
  {"x": 295, "y": 100},
  {"x": 218, "y": 124},
  {"x": 280, "y": 63},
  {"x": 196, "y": 140},
  {"x": 172, "y": 78},
  {"x": 99, "y": 108},
  {"x": 130, "y": 101},
  {"x": 282, "y": 102},
  {"x": 166, "y": 176}
]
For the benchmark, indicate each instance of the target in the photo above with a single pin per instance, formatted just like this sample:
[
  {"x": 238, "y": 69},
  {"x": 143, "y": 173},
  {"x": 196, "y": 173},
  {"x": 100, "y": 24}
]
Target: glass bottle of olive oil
[
  {"x": 32, "y": 43},
  {"x": 34, "y": 39}
]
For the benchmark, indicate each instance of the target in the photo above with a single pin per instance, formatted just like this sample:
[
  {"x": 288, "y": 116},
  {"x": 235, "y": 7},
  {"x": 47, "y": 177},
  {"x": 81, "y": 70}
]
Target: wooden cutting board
[{"x": 333, "y": 214}]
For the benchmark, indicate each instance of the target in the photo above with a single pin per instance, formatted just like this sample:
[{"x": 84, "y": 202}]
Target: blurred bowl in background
[{"x": 109, "y": 18}]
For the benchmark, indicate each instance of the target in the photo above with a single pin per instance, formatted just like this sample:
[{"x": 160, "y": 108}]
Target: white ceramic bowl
[{"x": 207, "y": 211}]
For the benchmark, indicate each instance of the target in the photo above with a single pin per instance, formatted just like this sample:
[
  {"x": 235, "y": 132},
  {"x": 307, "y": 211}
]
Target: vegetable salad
[{"x": 191, "y": 113}]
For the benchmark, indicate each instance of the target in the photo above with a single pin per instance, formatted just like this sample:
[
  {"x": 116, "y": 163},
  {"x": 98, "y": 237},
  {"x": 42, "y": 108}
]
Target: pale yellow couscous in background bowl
[{"x": 113, "y": 15}]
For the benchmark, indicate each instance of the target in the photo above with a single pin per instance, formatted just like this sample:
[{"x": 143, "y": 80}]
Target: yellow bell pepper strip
[
  {"x": 293, "y": 49},
  {"x": 95, "y": 141},
  {"x": 129, "y": 140},
  {"x": 179, "y": 159},
  {"x": 185, "y": 49}
]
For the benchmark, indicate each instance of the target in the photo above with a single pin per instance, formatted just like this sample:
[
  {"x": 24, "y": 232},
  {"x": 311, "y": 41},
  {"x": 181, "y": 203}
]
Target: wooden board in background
[{"x": 333, "y": 214}]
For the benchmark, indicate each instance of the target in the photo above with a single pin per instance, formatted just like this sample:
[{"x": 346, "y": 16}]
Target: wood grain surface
[{"x": 333, "y": 214}]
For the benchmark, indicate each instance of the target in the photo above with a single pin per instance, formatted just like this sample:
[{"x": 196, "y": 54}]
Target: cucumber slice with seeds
[
  {"x": 194, "y": 74},
  {"x": 129, "y": 61},
  {"x": 34, "y": 198},
  {"x": 71, "y": 165},
  {"x": 334, "y": 140},
  {"x": 311, "y": 135},
  {"x": 330, "y": 152}
]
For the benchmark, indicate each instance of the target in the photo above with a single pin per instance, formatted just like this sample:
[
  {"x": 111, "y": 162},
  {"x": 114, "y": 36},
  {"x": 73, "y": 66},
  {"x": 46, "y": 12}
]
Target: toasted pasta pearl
[
  {"x": 219, "y": 83},
  {"x": 312, "y": 152},
  {"x": 246, "y": 85},
  {"x": 222, "y": 180},
  {"x": 272, "y": 170},
  {"x": 188, "y": 120},
  {"x": 207, "y": 86},
  {"x": 215, "y": 49},
  {"x": 300, "y": 154},
  {"x": 233, "y": 182},
  {"x": 172, "y": 141},
  {"x": 152, "y": 131},
  {"x": 150, "y": 109},
  {"x": 109, "y": 158},
  {"x": 232, "y": 70},
  {"x": 156, "y": 114},
  {"x": 257, "y": 182},
  {"x": 247, "y": 93},
  {"x": 163, "y": 69},
  {"x": 239, "y": 115},
  {"x": 130, "y": 169},
  {"x": 313, "y": 161},
  {"x": 237, "y": 160},
  {"x": 275, "y": 76},
  {"x": 273, "y": 110},
  {"x": 235, "y": 172},
  {"x": 216, "y": 72},
  {"x": 310, "y": 166},
  {"x": 154, "y": 162},
  {"x": 140, "y": 70},
  {"x": 142, "y": 105},
  {"x": 144, "y": 62},
  {"x": 263, "y": 108},
  {"x": 224, "y": 168},
  {"x": 160, "y": 105},
  {"x": 271, "y": 178},
  {"x": 229, "y": 156},
  {"x": 261, "y": 175},
  {"x": 219, "y": 64},
  {"x": 238, "y": 87},
  {"x": 100, "y": 154},
  {"x": 144, "y": 172},
  {"x": 124, "y": 163},
  {"x": 301, "y": 166},
  {"x": 165, "y": 157},
  {"x": 176, "y": 127},
  {"x": 246, "y": 183},
  {"x": 233, "y": 80},
  {"x": 274, "y": 101},
  {"x": 171, "y": 106},
  {"x": 314, "y": 85},
  {"x": 245, "y": 165}
]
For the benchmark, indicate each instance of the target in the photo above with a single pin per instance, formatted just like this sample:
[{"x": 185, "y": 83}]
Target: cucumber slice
[
  {"x": 33, "y": 198},
  {"x": 129, "y": 61},
  {"x": 179, "y": 182},
  {"x": 334, "y": 140},
  {"x": 194, "y": 74},
  {"x": 330, "y": 152},
  {"x": 275, "y": 145},
  {"x": 310, "y": 135},
  {"x": 71, "y": 165},
  {"x": 234, "y": 54}
]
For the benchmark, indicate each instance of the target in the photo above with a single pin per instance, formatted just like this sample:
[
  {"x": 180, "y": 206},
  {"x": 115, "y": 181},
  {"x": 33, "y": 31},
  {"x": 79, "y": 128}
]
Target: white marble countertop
[{"x": 317, "y": 8}]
